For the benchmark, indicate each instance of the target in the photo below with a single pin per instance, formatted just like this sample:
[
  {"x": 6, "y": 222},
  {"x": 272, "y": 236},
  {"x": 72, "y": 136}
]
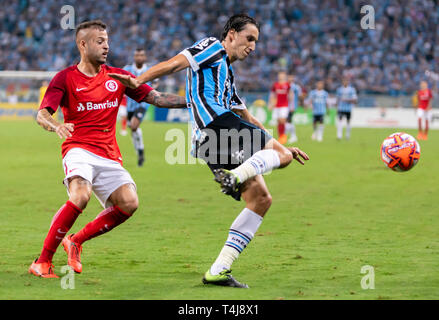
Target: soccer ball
[{"x": 400, "y": 151}]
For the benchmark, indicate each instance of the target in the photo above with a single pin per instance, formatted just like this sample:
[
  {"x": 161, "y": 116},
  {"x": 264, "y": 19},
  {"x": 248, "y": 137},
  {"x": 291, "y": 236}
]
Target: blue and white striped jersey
[
  {"x": 319, "y": 102},
  {"x": 297, "y": 90},
  {"x": 210, "y": 84},
  {"x": 132, "y": 105},
  {"x": 348, "y": 92}
]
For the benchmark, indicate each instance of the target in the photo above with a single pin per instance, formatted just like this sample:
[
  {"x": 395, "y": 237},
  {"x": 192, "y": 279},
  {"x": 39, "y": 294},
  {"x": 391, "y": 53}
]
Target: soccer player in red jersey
[
  {"x": 424, "y": 109},
  {"x": 92, "y": 161},
  {"x": 280, "y": 96}
]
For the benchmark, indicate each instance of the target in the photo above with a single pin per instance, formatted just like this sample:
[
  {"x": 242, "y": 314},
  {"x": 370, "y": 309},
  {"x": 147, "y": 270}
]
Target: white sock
[
  {"x": 261, "y": 162},
  {"x": 241, "y": 233},
  {"x": 291, "y": 129},
  {"x": 348, "y": 131},
  {"x": 339, "y": 129},
  {"x": 138, "y": 139},
  {"x": 320, "y": 132}
]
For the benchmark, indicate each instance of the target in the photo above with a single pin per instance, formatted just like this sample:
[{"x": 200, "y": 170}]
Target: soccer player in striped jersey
[
  {"x": 218, "y": 114},
  {"x": 346, "y": 98},
  {"x": 136, "y": 111},
  {"x": 297, "y": 92},
  {"x": 318, "y": 98}
]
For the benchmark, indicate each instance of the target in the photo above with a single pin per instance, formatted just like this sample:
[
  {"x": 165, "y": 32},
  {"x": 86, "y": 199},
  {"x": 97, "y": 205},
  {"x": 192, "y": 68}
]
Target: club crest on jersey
[{"x": 111, "y": 85}]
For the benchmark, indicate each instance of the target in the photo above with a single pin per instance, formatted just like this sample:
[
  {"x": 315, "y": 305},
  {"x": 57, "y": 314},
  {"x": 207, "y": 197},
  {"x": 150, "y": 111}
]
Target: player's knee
[
  {"x": 267, "y": 200},
  {"x": 80, "y": 199},
  {"x": 129, "y": 204},
  {"x": 264, "y": 201},
  {"x": 285, "y": 157}
]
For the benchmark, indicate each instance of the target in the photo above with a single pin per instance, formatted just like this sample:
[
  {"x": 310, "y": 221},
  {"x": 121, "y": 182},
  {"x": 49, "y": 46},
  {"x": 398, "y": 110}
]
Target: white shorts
[
  {"x": 281, "y": 113},
  {"x": 105, "y": 175},
  {"x": 122, "y": 112},
  {"x": 424, "y": 114}
]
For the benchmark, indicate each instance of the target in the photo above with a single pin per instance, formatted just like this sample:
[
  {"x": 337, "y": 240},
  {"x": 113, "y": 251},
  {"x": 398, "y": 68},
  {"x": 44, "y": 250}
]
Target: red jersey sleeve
[
  {"x": 138, "y": 94},
  {"x": 55, "y": 92}
]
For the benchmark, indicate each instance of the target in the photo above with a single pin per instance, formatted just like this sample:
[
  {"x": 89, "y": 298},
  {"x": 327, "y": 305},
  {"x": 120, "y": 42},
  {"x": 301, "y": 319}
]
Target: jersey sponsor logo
[
  {"x": 81, "y": 107},
  {"x": 204, "y": 43},
  {"x": 97, "y": 106},
  {"x": 111, "y": 85}
]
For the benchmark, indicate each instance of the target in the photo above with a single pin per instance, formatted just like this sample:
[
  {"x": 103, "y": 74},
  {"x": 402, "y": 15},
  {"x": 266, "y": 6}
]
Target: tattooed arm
[
  {"x": 45, "y": 120},
  {"x": 165, "y": 100}
]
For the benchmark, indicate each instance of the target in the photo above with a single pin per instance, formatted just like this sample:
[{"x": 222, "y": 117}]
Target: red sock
[
  {"x": 124, "y": 123},
  {"x": 104, "y": 222},
  {"x": 281, "y": 129},
  {"x": 61, "y": 224}
]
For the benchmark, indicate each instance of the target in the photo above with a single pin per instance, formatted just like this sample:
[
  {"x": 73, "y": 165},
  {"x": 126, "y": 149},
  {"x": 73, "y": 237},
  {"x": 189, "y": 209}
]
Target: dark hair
[
  {"x": 238, "y": 23},
  {"x": 98, "y": 24},
  {"x": 139, "y": 49}
]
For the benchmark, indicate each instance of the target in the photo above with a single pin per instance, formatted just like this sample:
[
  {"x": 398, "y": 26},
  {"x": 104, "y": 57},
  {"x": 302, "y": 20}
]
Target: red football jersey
[
  {"x": 424, "y": 97},
  {"x": 281, "y": 90},
  {"x": 91, "y": 104}
]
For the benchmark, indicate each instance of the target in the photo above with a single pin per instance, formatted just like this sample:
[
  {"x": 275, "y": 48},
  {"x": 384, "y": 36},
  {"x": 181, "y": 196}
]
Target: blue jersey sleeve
[{"x": 204, "y": 52}]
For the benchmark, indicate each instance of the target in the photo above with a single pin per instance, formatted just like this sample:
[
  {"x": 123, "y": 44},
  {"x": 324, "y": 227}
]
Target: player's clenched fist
[{"x": 63, "y": 130}]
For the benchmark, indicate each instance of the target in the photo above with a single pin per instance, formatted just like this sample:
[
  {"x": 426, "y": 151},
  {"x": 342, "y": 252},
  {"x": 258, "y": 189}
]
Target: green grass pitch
[{"x": 341, "y": 211}]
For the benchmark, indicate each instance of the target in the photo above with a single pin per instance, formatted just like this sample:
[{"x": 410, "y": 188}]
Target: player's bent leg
[
  {"x": 339, "y": 125},
  {"x": 137, "y": 136},
  {"x": 125, "y": 203},
  {"x": 79, "y": 195},
  {"x": 348, "y": 129},
  {"x": 125, "y": 197},
  {"x": 258, "y": 200},
  {"x": 281, "y": 131},
  {"x": 420, "y": 135},
  {"x": 284, "y": 154},
  {"x": 256, "y": 195},
  {"x": 273, "y": 156},
  {"x": 134, "y": 123},
  {"x": 80, "y": 191},
  {"x": 259, "y": 163},
  {"x": 427, "y": 125}
]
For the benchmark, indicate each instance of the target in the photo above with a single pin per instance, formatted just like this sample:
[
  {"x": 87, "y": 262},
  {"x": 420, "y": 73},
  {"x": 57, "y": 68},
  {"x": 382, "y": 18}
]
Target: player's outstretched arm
[
  {"x": 45, "y": 120},
  {"x": 247, "y": 116},
  {"x": 165, "y": 100},
  {"x": 175, "y": 64}
]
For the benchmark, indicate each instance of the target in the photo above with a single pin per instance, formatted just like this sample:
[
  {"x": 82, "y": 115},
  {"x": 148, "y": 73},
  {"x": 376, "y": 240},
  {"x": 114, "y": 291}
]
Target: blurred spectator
[{"x": 319, "y": 39}]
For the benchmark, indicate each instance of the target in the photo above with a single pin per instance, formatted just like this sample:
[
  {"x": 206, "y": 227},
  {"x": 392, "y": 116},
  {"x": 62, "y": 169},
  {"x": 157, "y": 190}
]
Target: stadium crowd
[{"x": 313, "y": 39}]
